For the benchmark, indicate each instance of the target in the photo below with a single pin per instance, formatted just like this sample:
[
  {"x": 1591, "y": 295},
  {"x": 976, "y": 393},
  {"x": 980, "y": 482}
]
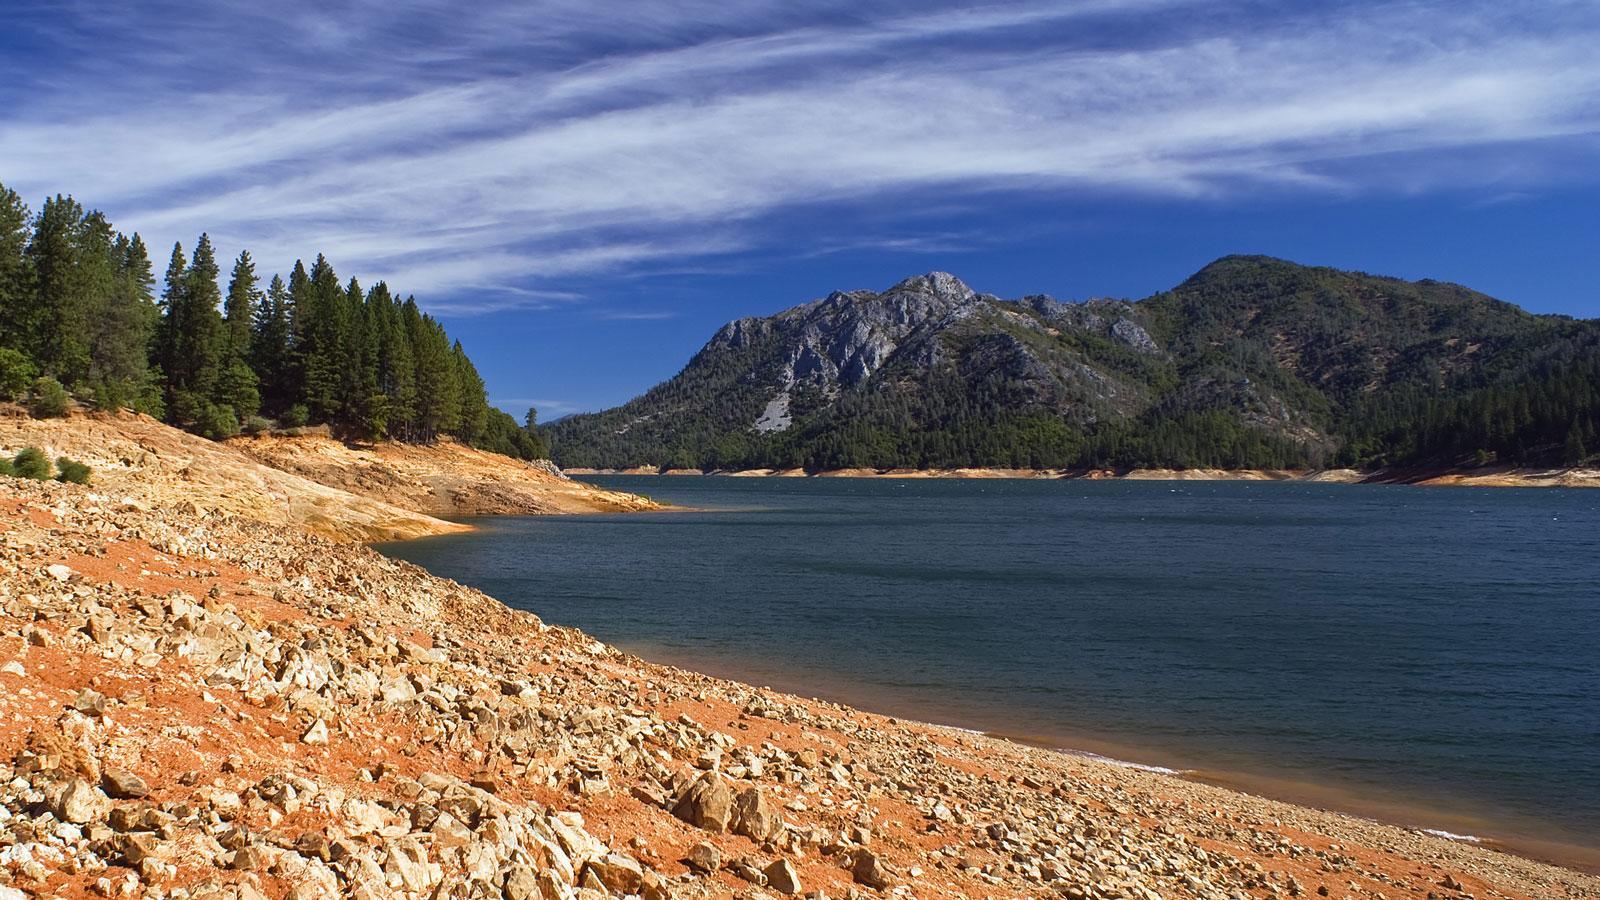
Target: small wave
[
  {"x": 1125, "y": 764},
  {"x": 959, "y": 728},
  {"x": 1452, "y": 836}
]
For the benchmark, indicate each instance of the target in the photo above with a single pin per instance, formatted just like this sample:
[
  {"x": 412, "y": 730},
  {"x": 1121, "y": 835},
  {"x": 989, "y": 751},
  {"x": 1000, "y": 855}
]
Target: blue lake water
[{"x": 1426, "y": 655}]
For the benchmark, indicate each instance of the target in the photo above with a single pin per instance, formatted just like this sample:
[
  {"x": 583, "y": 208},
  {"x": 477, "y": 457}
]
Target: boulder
[
  {"x": 90, "y": 703},
  {"x": 620, "y": 873},
  {"x": 124, "y": 785},
  {"x": 79, "y": 802},
  {"x": 317, "y": 734},
  {"x": 870, "y": 871},
  {"x": 782, "y": 877},
  {"x": 755, "y": 817},
  {"x": 707, "y": 803},
  {"x": 704, "y": 857}
]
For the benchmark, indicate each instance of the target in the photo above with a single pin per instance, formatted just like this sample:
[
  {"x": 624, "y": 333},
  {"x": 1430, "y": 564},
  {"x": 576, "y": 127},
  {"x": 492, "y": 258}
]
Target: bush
[
  {"x": 218, "y": 422},
  {"x": 70, "y": 470},
  {"x": 5, "y": 468},
  {"x": 111, "y": 394},
  {"x": 50, "y": 399},
  {"x": 257, "y": 425},
  {"x": 295, "y": 416},
  {"x": 31, "y": 463},
  {"x": 237, "y": 387},
  {"x": 150, "y": 398},
  {"x": 16, "y": 373}
]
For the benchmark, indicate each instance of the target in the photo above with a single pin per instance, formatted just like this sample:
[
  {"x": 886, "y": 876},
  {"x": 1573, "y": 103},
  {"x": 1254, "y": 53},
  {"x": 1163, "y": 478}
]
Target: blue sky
[{"x": 585, "y": 194}]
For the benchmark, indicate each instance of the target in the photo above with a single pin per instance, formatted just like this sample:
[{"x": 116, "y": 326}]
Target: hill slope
[
  {"x": 386, "y": 493},
  {"x": 442, "y": 479},
  {"x": 1252, "y": 362}
]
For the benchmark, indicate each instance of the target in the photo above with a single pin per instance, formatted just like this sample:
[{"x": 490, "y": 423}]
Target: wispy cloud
[
  {"x": 482, "y": 160},
  {"x": 635, "y": 315}
]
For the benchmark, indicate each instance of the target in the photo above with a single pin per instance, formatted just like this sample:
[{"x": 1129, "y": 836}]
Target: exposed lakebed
[{"x": 1426, "y": 655}]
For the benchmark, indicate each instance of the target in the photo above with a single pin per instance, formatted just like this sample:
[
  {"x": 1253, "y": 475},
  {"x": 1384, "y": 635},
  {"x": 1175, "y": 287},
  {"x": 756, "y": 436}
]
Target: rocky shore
[
  {"x": 384, "y": 493},
  {"x": 199, "y": 702},
  {"x": 1485, "y": 477}
]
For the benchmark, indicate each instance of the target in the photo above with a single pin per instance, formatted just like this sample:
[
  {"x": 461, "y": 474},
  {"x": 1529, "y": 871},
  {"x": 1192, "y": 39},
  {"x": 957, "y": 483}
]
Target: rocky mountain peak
[{"x": 940, "y": 285}]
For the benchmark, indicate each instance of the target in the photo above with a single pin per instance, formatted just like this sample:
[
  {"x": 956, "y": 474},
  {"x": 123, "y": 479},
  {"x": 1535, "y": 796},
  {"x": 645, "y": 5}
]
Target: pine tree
[
  {"x": 269, "y": 348},
  {"x": 438, "y": 397},
  {"x": 1573, "y": 451},
  {"x": 322, "y": 342},
  {"x": 119, "y": 368},
  {"x": 474, "y": 402},
  {"x": 71, "y": 255},
  {"x": 237, "y": 386},
  {"x": 171, "y": 304},
  {"x": 19, "y": 308},
  {"x": 397, "y": 368},
  {"x": 192, "y": 336},
  {"x": 358, "y": 374},
  {"x": 243, "y": 296},
  {"x": 301, "y": 312}
]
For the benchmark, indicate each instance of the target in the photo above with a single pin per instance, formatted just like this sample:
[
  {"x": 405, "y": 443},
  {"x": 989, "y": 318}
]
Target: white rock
[{"x": 316, "y": 734}]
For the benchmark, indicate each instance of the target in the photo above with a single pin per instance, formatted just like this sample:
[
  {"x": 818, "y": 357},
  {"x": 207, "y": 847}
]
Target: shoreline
[
  {"x": 1484, "y": 477},
  {"x": 1408, "y": 814}
]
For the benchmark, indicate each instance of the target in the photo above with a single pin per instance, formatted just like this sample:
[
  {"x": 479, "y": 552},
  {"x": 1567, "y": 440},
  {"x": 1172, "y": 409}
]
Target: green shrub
[
  {"x": 31, "y": 463},
  {"x": 16, "y": 373},
  {"x": 218, "y": 422},
  {"x": 257, "y": 425},
  {"x": 189, "y": 407},
  {"x": 149, "y": 400},
  {"x": 71, "y": 470},
  {"x": 295, "y": 416},
  {"x": 5, "y": 468},
  {"x": 50, "y": 399},
  {"x": 236, "y": 385},
  {"x": 111, "y": 394}
]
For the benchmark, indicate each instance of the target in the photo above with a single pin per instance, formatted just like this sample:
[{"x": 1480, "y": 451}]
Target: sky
[{"x": 583, "y": 192}]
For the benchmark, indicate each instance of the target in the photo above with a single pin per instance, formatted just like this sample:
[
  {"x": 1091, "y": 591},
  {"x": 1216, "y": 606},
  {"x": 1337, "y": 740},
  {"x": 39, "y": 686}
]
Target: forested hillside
[
  {"x": 80, "y": 316},
  {"x": 1251, "y": 363}
]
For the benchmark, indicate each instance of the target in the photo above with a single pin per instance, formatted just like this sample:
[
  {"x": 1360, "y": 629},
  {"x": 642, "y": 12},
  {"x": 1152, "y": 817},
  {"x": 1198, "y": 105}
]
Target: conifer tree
[
  {"x": 438, "y": 397},
  {"x": 355, "y": 386},
  {"x": 474, "y": 403},
  {"x": 397, "y": 368},
  {"x": 1573, "y": 451},
  {"x": 237, "y": 386},
  {"x": 243, "y": 296},
  {"x": 269, "y": 347},
  {"x": 71, "y": 255},
  {"x": 120, "y": 342},
  {"x": 166, "y": 342},
  {"x": 191, "y": 335},
  {"x": 301, "y": 304},
  {"x": 322, "y": 342},
  {"x": 18, "y": 295}
]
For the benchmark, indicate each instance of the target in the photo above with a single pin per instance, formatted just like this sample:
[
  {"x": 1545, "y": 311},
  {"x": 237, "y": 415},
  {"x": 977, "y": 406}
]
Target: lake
[{"x": 1430, "y": 656}]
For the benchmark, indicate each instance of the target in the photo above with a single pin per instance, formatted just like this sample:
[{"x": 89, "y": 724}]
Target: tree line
[{"x": 79, "y": 309}]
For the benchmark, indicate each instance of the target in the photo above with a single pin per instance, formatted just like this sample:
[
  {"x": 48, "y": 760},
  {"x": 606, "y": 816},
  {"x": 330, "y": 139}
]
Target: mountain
[{"x": 1251, "y": 362}]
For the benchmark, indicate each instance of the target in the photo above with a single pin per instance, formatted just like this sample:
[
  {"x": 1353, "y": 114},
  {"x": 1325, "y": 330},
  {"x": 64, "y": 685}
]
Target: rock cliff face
[{"x": 840, "y": 342}]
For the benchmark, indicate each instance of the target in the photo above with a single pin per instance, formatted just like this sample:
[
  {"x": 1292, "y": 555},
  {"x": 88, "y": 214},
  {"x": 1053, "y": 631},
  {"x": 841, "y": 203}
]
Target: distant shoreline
[{"x": 1481, "y": 477}]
